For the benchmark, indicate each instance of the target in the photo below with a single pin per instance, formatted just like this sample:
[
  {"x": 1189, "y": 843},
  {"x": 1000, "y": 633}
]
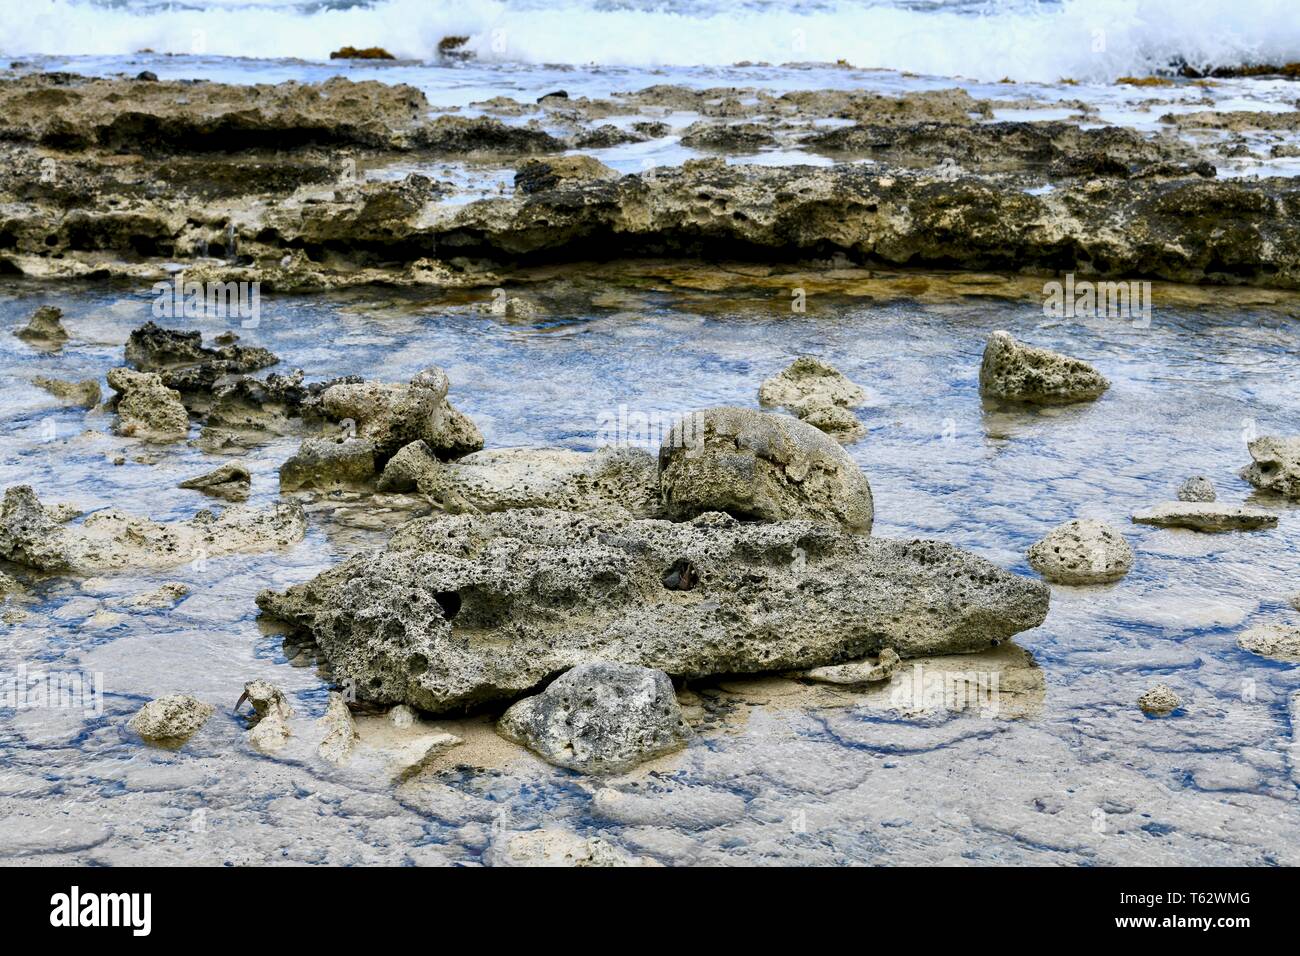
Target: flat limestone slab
[{"x": 1206, "y": 516}]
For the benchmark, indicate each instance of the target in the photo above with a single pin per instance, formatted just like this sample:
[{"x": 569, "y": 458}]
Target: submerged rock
[
  {"x": 1160, "y": 700},
  {"x": 162, "y": 597},
  {"x": 45, "y": 328},
  {"x": 608, "y": 481},
  {"x": 85, "y": 393},
  {"x": 1014, "y": 372},
  {"x": 146, "y": 408},
  {"x": 751, "y": 464},
  {"x": 600, "y": 718},
  {"x": 554, "y": 848},
  {"x": 1197, "y": 488},
  {"x": 464, "y": 610},
  {"x": 865, "y": 671},
  {"x": 1277, "y": 465},
  {"x": 323, "y": 464},
  {"x": 1083, "y": 551},
  {"x": 112, "y": 540},
  {"x": 1272, "y": 640},
  {"x": 819, "y": 394},
  {"x": 232, "y": 482},
  {"x": 1206, "y": 516},
  {"x": 172, "y": 719}
]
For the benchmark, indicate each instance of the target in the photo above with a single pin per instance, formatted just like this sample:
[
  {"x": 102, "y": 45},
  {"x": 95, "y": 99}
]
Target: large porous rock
[
  {"x": 600, "y": 718},
  {"x": 472, "y": 609},
  {"x": 393, "y": 415},
  {"x": 1206, "y": 516},
  {"x": 819, "y": 394},
  {"x": 112, "y": 540},
  {"x": 45, "y": 328},
  {"x": 1015, "y": 372},
  {"x": 323, "y": 464},
  {"x": 607, "y": 481},
  {"x": 539, "y": 175},
  {"x": 146, "y": 408},
  {"x": 412, "y": 466},
  {"x": 173, "y": 719},
  {"x": 1277, "y": 465},
  {"x": 751, "y": 464},
  {"x": 1083, "y": 551},
  {"x": 232, "y": 481}
]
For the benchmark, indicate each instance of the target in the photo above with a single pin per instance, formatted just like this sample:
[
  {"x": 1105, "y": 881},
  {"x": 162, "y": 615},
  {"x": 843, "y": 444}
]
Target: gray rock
[
  {"x": 272, "y": 712},
  {"x": 471, "y": 609},
  {"x": 1160, "y": 700},
  {"x": 322, "y": 464},
  {"x": 600, "y": 718},
  {"x": 1206, "y": 516},
  {"x": 232, "y": 482},
  {"x": 45, "y": 328},
  {"x": 750, "y": 464},
  {"x": 146, "y": 408},
  {"x": 1272, "y": 640},
  {"x": 85, "y": 394},
  {"x": 608, "y": 481},
  {"x": 407, "y": 470},
  {"x": 111, "y": 540},
  {"x": 1198, "y": 488},
  {"x": 1083, "y": 551},
  {"x": 171, "y": 719},
  {"x": 1014, "y": 372},
  {"x": 865, "y": 671},
  {"x": 1277, "y": 465},
  {"x": 392, "y": 416},
  {"x": 818, "y": 393},
  {"x": 339, "y": 731}
]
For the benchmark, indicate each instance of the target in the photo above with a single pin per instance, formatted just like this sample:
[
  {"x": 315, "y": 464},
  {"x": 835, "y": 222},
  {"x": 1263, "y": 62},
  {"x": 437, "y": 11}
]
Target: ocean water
[{"x": 1027, "y": 40}]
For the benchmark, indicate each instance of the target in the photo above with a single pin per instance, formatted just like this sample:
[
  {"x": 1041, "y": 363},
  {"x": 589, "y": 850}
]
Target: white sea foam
[{"x": 1023, "y": 39}]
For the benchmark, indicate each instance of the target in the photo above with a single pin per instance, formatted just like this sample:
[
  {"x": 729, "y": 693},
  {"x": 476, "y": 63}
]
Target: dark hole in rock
[
  {"x": 449, "y": 601},
  {"x": 682, "y": 576}
]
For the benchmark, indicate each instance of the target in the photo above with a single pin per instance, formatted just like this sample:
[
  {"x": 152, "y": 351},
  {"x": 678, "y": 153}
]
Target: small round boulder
[{"x": 1082, "y": 551}]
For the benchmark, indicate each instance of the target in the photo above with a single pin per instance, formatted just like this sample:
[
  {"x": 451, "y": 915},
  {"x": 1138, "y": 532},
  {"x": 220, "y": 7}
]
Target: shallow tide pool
[{"x": 1071, "y": 771}]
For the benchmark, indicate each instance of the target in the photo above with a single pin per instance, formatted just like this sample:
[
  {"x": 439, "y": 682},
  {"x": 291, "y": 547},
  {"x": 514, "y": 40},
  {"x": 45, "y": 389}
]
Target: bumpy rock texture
[
  {"x": 391, "y": 416},
  {"x": 752, "y": 464},
  {"x": 146, "y": 408},
  {"x": 472, "y": 609},
  {"x": 600, "y": 718},
  {"x": 1206, "y": 516},
  {"x": 1198, "y": 488},
  {"x": 1082, "y": 551},
  {"x": 112, "y": 540},
  {"x": 85, "y": 393},
  {"x": 172, "y": 719},
  {"x": 1160, "y": 700},
  {"x": 1277, "y": 465},
  {"x": 45, "y": 328},
  {"x": 1014, "y": 372},
  {"x": 818, "y": 393},
  {"x": 323, "y": 464},
  {"x": 608, "y": 481},
  {"x": 1272, "y": 640}
]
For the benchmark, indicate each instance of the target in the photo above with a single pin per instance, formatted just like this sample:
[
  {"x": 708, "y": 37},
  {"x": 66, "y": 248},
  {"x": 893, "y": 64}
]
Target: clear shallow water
[{"x": 781, "y": 773}]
